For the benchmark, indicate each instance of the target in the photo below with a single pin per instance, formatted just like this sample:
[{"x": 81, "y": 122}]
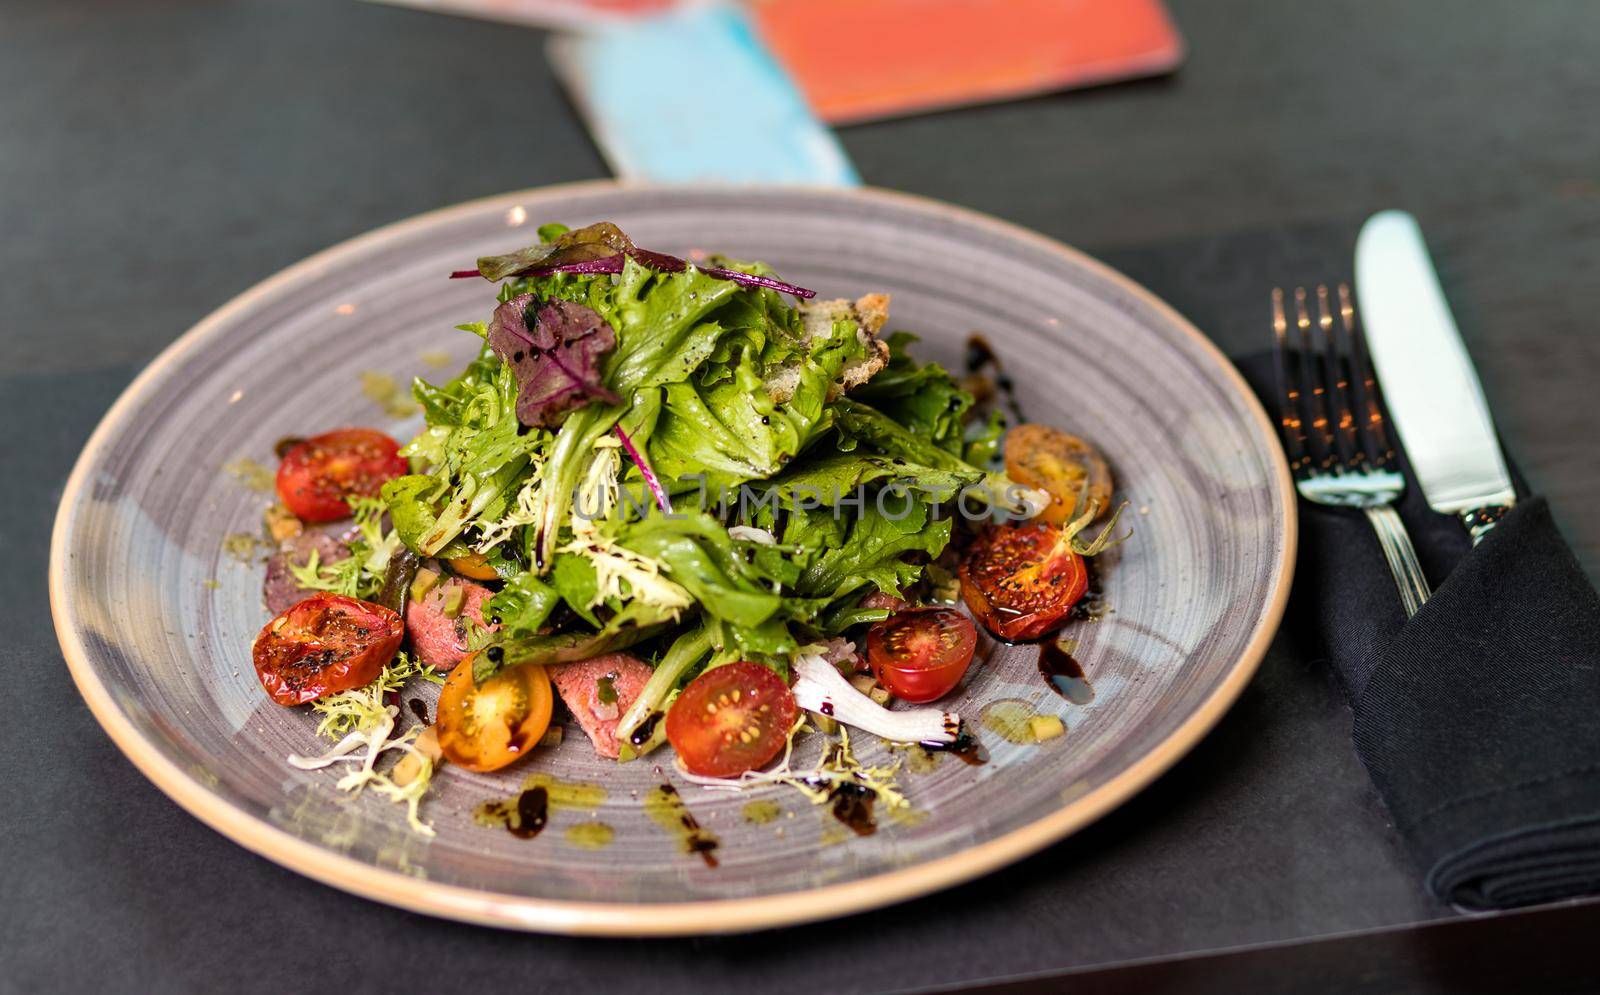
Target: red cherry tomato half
[
  {"x": 318, "y": 474},
  {"x": 1020, "y": 580},
  {"x": 323, "y": 645},
  {"x": 921, "y": 655},
  {"x": 731, "y": 719}
]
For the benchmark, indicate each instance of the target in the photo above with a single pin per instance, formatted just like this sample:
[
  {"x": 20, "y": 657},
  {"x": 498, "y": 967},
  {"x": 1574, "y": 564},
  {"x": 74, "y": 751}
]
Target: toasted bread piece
[{"x": 817, "y": 318}]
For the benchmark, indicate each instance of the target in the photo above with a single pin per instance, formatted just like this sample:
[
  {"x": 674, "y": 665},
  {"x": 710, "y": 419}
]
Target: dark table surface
[{"x": 157, "y": 158}]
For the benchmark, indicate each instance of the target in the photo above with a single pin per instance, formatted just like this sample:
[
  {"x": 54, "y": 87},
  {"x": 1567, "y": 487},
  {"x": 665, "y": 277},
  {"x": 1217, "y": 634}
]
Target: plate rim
[{"x": 675, "y": 918}]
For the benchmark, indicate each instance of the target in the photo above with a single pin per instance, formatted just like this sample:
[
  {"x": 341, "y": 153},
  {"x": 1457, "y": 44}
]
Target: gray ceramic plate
[{"x": 156, "y": 619}]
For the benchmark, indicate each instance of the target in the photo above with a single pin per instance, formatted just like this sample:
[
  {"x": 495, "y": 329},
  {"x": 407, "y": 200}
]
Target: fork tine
[
  {"x": 1337, "y": 371},
  {"x": 1323, "y": 448},
  {"x": 1289, "y": 420},
  {"x": 1377, "y": 445}
]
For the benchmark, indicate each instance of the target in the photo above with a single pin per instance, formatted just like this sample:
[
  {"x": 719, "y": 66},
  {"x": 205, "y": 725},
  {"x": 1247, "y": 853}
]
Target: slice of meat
[
  {"x": 816, "y": 322},
  {"x": 579, "y": 686},
  {"x": 437, "y": 639},
  {"x": 877, "y": 599},
  {"x": 280, "y": 590}
]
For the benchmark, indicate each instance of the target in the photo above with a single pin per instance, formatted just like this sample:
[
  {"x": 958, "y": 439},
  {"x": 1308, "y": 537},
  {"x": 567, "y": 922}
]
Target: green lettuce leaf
[
  {"x": 869, "y": 548},
  {"x": 731, "y": 432},
  {"x": 663, "y": 331},
  {"x": 633, "y": 624},
  {"x": 827, "y": 479},
  {"x": 860, "y": 423},
  {"x": 573, "y": 578},
  {"x": 523, "y": 605},
  {"x": 695, "y": 551},
  {"x": 983, "y": 440},
  {"x": 921, "y": 397},
  {"x": 476, "y": 455}
]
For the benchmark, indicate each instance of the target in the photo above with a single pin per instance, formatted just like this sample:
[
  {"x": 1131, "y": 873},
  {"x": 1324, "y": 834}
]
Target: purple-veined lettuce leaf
[
  {"x": 556, "y": 359},
  {"x": 604, "y": 248},
  {"x": 579, "y": 245}
]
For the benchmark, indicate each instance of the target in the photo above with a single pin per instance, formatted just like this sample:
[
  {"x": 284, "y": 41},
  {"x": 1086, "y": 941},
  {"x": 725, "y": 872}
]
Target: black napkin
[{"x": 1479, "y": 718}]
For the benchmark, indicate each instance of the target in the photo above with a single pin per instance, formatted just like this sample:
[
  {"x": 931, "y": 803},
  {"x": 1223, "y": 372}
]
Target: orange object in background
[{"x": 861, "y": 59}]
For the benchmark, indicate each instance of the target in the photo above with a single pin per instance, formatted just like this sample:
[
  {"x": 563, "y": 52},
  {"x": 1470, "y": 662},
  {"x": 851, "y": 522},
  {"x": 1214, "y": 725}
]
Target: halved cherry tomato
[
  {"x": 486, "y": 726},
  {"x": 474, "y": 566},
  {"x": 920, "y": 655},
  {"x": 1021, "y": 580},
  {"x": 316, "y": 475},
  {"x": 731, "y": 719},
  {"x": 324, "y": 644},
  {"x": 1070, "y": 470}
]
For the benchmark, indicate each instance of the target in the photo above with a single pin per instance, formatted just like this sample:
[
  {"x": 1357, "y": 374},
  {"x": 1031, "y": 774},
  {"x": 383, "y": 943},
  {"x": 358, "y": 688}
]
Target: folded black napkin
[{"x": 1479, "y": 718}]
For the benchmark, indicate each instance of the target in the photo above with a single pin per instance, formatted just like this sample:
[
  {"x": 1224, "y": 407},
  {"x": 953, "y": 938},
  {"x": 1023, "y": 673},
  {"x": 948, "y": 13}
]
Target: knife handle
[{"x": 1481, "y": 519}]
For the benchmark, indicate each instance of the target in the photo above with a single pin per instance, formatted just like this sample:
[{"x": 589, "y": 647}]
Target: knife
[{"x": 1429, "y": 384}]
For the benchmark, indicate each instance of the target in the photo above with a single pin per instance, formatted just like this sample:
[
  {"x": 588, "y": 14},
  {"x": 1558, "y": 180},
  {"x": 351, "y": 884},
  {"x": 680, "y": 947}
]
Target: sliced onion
[
  {"x": 749, "y": 533},
  {"x": 735, "y": 782},
  {"x": 821, "y": 689},
  {"x": 339, "y": 751}
]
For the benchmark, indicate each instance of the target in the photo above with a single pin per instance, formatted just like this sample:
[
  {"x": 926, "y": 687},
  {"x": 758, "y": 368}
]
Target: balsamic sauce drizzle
[
  {"x": 696, "y": 838},
  {"x": 523, "y": 816},
  {"x": 852, "y": 805},
  {"x": 533, "y": 809},
  {"x": 979, "y": 355},
  {"x": 1064, "y": 674},
  {"x": 646, "y": 729},
  {"x": 1092, "y": 606},
  {"x": 965, "y": 747}
]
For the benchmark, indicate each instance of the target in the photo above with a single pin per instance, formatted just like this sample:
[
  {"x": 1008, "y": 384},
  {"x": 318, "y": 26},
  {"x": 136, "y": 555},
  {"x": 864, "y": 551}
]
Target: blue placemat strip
[{"x": 694, "y": 96}]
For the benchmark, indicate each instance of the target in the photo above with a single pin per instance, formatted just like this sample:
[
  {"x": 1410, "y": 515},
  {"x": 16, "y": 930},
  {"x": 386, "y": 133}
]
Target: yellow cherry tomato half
[
  {"x": 486, "y": 726},
  {"x": 474, "y": 566},
  {"x": 1070, "y": 470}
]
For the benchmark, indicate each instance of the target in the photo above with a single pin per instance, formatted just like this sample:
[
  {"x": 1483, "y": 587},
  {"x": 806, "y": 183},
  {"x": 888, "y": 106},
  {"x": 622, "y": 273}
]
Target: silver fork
[{"x": 1338, "y": 458}]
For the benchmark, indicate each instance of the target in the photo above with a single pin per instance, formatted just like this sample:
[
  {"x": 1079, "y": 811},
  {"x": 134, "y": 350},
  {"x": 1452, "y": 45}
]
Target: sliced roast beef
[
  {"x": 439, "y": 639},
  {"x": 583, "y": 686},
  {"x": 280, "y": 590}
]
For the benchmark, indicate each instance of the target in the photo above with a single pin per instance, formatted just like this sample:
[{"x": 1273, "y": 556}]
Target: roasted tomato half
[
  {"x": 325, "y": 644},
  {"x": 1021, "y": 580},
  {"x": 1070, "y": 470},
  {"x": 921, "y": 655},
  {"x": 486, "y": 726},
  {"x": 731, "y": 719},
  {"x": 318, "y": 474}
]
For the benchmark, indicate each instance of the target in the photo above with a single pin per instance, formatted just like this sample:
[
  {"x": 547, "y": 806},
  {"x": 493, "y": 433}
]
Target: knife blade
[{"x": 1429, "y": 384}]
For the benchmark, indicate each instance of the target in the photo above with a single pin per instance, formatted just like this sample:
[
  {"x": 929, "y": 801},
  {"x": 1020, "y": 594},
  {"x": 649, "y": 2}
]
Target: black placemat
[
  {"x": 1475, "y": 718},
  {"x": 1268, "y": 831},
  {"x": 238, "y": 137}
]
